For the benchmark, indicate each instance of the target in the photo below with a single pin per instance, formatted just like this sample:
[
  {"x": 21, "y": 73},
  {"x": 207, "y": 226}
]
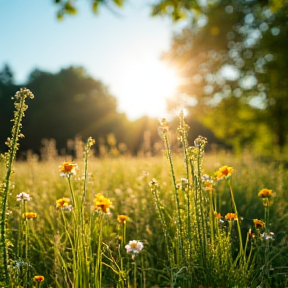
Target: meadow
[{"x": 182, "y": 219}]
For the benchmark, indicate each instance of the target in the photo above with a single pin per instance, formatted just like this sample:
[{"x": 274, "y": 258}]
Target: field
[
  {"x": 184, "y": 219},
  {"x": 125, "y": 181}
]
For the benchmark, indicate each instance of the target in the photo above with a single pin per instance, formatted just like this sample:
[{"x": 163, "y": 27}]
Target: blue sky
[{"x": 121, "y": 49}]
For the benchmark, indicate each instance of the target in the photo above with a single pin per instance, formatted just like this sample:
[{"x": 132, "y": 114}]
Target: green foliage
[{"x": 249, "y": 38}]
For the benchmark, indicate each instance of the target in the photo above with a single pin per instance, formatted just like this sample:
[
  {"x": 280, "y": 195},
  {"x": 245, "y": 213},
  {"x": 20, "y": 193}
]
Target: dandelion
[
  {"x": 29, "y": 215},
  {"x": 265, "y": 193},
  {"x": 67, "y": 169},
  {"x": 38, "y": 278},
  {"x": 64, "y": 204},
  {"x": 122, "y": 218},
  {"x": 23, "y": 197},
  {"x": 231, "y": 216},
  {"x": 102, "y": 203},
  {"x": 258, "y": 224},
  {"x": 134, "y": 247},
  {"x": 224, "y": 172}
]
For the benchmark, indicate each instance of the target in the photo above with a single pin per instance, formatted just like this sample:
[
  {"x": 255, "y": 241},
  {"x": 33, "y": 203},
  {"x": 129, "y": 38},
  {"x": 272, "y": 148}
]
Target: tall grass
[{"x": 183, "y": 220}]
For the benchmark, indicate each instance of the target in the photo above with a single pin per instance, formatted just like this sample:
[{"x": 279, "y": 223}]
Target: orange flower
[
  {"x": 102, "y": 203},
  {"x": 250, "y": 234},
  {"x": 224, "y": 171},
  {"x": 218, "y": 215},
  {"x": 122, "y": 218},
  {"x": 231, "y": 216},
  {"x": 38, "y": 278},
  {"x": 63, "y": 202},
  {"x": 265, "y": 193},
  {"x": 68, "y": 169},
  {"x": 29, "y": 215},
  {"x": 258, "y": 223},
  {"x": 208, "y": 185}
]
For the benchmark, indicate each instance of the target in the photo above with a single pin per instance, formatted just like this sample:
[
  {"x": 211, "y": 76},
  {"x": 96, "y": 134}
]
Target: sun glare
[{"x": 144, "y": 88}]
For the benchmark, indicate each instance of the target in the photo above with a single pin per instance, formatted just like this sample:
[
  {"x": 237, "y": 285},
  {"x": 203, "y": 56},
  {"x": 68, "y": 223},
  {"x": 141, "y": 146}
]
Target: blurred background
[{"x": 110, "y": 69}]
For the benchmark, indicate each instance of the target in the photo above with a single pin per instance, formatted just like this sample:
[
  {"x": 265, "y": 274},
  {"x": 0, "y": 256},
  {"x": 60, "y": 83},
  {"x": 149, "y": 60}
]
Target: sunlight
[{"x": 144, "y": 87}]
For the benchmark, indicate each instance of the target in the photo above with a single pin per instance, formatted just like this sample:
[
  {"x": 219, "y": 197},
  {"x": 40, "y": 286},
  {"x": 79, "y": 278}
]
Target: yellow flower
[
  {"x": 102, "y": 203},
  {"x": 63, "y": 202},
  {"x": 231, "y": 216},
  {"x": 29, "y": 215},
  {"x": 38, "y": 278},
  {"x": 122, "y": 218},
  {"x": 224, "y": 171},
  {"x": 67, "y": 169},
  {"x": 258, "y": 223},
  {"x": 265, "y": 193}
]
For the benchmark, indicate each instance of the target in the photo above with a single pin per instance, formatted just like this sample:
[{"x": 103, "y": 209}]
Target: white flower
[
  {"x": 23, "y": 197},
  {"x": 267, "y": 236},
  {"x": 134, "y": 247}
]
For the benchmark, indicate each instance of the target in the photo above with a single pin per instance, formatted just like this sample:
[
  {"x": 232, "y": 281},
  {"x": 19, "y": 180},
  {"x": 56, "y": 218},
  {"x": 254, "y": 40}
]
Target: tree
[
  {"x": 230, "y": 63},
  {"x": 67, "y": 104},
  {"x": 178, "y": 9}
]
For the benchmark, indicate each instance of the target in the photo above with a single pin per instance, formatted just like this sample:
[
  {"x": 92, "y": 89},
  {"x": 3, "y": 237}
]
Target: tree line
[{"x": 71, "y": 104}]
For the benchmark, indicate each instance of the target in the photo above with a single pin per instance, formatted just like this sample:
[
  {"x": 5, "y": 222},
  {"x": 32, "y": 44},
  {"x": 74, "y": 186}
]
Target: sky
[{"x": 122, "y": 49}]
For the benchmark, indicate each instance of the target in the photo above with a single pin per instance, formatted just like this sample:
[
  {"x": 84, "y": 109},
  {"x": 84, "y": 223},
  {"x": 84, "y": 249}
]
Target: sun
[{"x": 144, "y": 87}]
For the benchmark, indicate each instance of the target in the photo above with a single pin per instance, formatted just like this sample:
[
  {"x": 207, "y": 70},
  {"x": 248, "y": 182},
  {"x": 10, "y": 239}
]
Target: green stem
[
  {"x": 238, "y": 224},
  {"x": 135, "y": 275},
  {"x": 179, "y": 222},
  {"x": 13, "y": 147}
]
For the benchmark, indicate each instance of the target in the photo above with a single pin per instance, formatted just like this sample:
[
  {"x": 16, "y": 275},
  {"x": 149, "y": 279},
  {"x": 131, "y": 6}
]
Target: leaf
[{"x": 95, "y": 7}]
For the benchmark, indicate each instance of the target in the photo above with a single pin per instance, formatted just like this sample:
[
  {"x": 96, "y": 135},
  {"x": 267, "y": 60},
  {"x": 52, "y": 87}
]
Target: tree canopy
[
  {"x": 233, "y": 62},
  {"x": 175, "y": 9}
]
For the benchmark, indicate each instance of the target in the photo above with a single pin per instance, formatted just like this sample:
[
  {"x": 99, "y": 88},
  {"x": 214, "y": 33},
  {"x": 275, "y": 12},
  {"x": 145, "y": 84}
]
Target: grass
[{"x": 170, "y": 209}]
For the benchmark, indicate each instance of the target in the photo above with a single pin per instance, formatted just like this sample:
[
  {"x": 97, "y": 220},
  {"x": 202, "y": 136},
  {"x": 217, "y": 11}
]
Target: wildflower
[
  {"x": 23, "y": 197},
  {"x": 134, "y": 247},
  {"x": 265, "y": 193},
  {"x": 153, "y": 182},
  {"x": 224, "y": 172},
  {"x": 218, "y": 215},
  {"x": 200, "y": 142},
  {"x": 163, "y": 128},
  {"x": 67, "y": 169},
  {"x": 64, "y": 204},
  {"x": 102, "y": 203},
  {"x": 122, "y": 218},
  {"x": 250, "y": 234},
  {"x": 267, "y": 236},
  {"x": 207, "y": 182},
  {"x": 38, "y": 278},
  {"x": 231, "y": 216},
  {"x": 29, "y": 215},
  {"x": 182, "y": 184},
  {"x": 258, "y": 223}
]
